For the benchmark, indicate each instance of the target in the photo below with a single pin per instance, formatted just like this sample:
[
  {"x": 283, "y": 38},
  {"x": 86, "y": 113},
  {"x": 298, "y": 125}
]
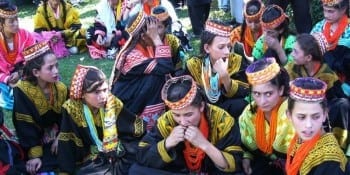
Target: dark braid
[
  {"x": 136, "y": 38},
  {"x": 244, "y": 27},
  {"x": 133, "y": 43},
  {"x": 45, "y": 13},
  {"x": 64, "y": 11}
]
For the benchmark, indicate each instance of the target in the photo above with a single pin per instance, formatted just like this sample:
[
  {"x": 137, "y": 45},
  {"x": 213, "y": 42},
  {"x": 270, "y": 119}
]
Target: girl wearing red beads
[{"x": 312, "y": 151}]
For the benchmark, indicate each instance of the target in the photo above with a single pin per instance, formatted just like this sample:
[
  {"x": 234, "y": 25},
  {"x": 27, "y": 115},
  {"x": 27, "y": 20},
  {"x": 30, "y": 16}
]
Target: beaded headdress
[
  {"x": 35, "y": 51},
  {"x": 187, "y": 99},
  {"x": 275, "y": 23},
  {"x": 76, "y": 88},
  {"x": 136, "y": 24},
  {"x": 255, "y": 16},
  {"x": 331, "y": 2},
  {"x": 218, "y": 29},
  {"x": 264, "y": 75},
  {"x": 321, "y": 41},
  {"x": 132, "y": 29},
  {"x": 8, "y": 14},
  {"x": 161, "y": 16},
  {"x": 298, "y": 92}
]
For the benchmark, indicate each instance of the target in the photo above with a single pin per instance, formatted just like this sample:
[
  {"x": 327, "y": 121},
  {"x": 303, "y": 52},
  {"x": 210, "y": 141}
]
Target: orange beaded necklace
[
  {"x": 266, "y": 145},
  {"x": 333, "y": 38},
  {"x": 299, "y": 155},
  {"x": 193, "y": 155}
]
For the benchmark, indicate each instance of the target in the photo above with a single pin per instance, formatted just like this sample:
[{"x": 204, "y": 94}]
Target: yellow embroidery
[
  {"x": 143, "y": 144},
  {"x": 139, "y": 127},
  {"x": 220, "y": 122},
  {"x": 231, "y": 162},
  {"x": 110, "y": 131},
  {"x": 233, "y": 148},
  {"x": 75, "y": 110},
  {"x": 36, "y": 151},
  {"x": 194, "y": 66},
  {"x": 326, "y": 149},
  {"x": 285, "y": 130},
  {"x": 35, "y": 94},
  {"x": 325, "y": 73},
  {"x": 24, "y": 117},
  {"x": 63, "y": 136},
  {"x": 162, "y": 152},
  {"x": 341, "y": 135}
]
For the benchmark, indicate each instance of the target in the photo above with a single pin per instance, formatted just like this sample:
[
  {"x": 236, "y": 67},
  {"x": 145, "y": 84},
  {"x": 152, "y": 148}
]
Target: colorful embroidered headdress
[
  {"x": 256, "y": 16},
  {"x": 136, "y": 25},
  {"x": 132, "y": 29},
  {"x": 76, "y": 88},
  {"x": 8, "y": 13},
  {"x": 187, "y": 99},
  {"x": 300, "y": 93},
  {"x": 331, "y": 2},
  {"x": 35, "y": 51},
  {"x": 264, "y": 75},
  {"x": 275, "y": 23},
  {"x": 322, "y": 42},
  {"x": 217, "y": 29},
  {"x": 160, "y": 13}
]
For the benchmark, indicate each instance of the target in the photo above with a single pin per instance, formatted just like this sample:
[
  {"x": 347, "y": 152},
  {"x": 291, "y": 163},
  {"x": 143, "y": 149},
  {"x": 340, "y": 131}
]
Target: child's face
[
  {"x": 332, "y": 15},
  {"x": 161, "y": 30},
  {"x": 49, "y": 70},
  {"x": 219, "y": 48},
  {"x": 98, "y": 98},
  {"x": 188, "y": 116},
  {"x": 307, "y": 119},
  {"x": 299, "y": 56},
  {"x": 266, "y": 95},
  {"x": 255, "y": 26},
  {"x": 10, "y": 25}
]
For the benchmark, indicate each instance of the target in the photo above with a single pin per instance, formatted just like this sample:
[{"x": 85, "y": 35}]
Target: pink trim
[
  {"x": 95, "y": 53},
  {"x": 151, "y": 113},
  {"x": 150, "y": 66},
  {"x": 163, "y": 51},
  {"x": 25, "y": 39},
  {"x": 134, "y": 58}
]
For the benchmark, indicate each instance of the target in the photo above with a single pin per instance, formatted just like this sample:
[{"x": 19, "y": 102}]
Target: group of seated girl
[{"x": 220, "y": 114}]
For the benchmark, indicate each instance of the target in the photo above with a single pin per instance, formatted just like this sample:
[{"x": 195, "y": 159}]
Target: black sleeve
[
  {"x": 327, "y": 168},
  {"x": 71, "y": 148}
]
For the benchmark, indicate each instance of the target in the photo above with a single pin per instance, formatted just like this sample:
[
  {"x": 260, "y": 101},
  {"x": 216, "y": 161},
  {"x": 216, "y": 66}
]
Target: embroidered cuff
[
  {"x": 163, "y": 152},
  {"x": 248, "y": 155},
  {"x": 163, "y": 51},
  {"x": 342, "y": 136},
  {"x": 230, "y": 162},
  {"x": 35, "y": 152},
  {"x": 231, "y": 92}
]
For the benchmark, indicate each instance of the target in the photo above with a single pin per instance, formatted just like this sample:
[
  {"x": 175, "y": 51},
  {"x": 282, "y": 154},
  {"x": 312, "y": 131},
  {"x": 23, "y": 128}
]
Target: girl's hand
[
  {"x": 54, "y": 146},
  {"x": 33, "y": 165},
  {"x": 220, "y": 66},
  {"x": 246, "y": 166}
]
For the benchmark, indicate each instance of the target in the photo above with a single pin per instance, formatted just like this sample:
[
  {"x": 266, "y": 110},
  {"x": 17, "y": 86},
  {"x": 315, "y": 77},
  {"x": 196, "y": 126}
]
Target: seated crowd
[{"x": 258, "y": 99}]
